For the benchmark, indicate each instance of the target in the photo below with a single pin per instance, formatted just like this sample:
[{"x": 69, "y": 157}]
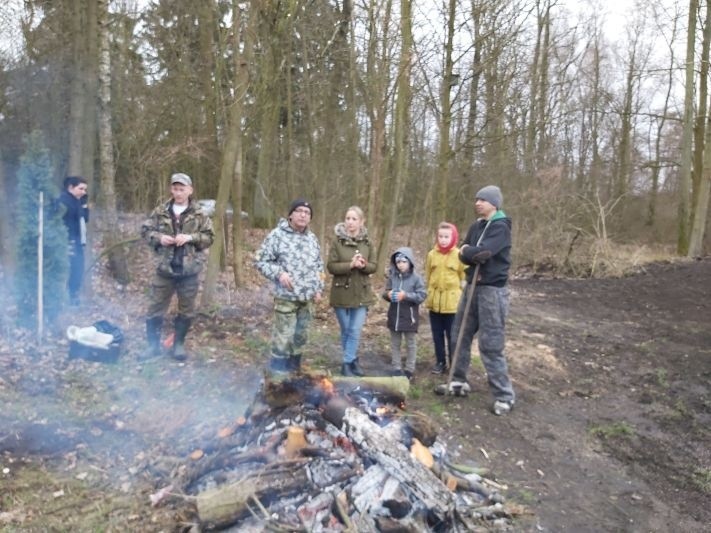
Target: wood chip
[
  {"x": 225, "y": 432},
  {"x": 197, "y": 454}
]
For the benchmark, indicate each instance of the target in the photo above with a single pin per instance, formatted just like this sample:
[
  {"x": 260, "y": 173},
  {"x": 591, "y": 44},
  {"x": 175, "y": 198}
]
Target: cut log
[
  {"x": 225, "y": 505},
  {"x": 316, "y": 388},
  {"x": 395, "y": 459},
  {"x": 395, "y": 388}
]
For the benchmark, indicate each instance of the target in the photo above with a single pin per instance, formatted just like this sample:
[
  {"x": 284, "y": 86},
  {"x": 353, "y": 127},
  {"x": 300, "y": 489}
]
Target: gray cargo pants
[{"x": 487, "y": 317}]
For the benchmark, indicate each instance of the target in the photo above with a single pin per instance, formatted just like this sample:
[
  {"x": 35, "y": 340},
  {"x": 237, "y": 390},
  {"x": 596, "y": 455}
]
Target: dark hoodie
[
  {"x": 493, "y": 251},
  {"x": 405, "y": 314}
]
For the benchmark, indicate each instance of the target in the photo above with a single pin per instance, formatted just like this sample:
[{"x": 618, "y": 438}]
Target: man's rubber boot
[
  {"x": 347, "y": 370},
  {"x": 153, "y": 329},
  {"x": 356, "y": 369},
  {"x": 181, "y": 325}
]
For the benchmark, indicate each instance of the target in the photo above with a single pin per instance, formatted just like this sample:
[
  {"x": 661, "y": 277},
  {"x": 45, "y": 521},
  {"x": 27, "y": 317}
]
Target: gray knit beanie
[{"x": 492, "y": 194}]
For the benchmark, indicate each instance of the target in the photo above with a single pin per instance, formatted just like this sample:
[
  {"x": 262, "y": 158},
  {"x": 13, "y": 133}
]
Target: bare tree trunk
[
  {"x": 702, "y": 206},
  {"x": 657, "y": 164},
  {"x": 700, "y": 121},
  {"x": 444, "y": 154},
  {"x": 683, "y": 222},
  {"x": 468, "y": 152},
  {"x": 231, "y": 173},
  {"x": 375, "y": 88},
  {"x": 402, "y": 119},
  {"x": 701, "y": 183},
  {"x": 625, "y": 146},
  {"x": 109, "y": 220},
  {"x": 77, "y": 93}
]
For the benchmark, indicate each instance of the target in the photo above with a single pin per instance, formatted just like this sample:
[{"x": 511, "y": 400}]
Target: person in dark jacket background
[
  {"x": 405, "y": 290},
  {"x": 76, "y": 215},
  {"x": 488, "y": 244}
]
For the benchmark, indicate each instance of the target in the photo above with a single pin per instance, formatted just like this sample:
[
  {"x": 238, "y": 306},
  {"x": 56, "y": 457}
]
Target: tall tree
[
  {"x": 401, "y": 128},
  {"x": 701, "y": 185},
  {"x": 232, "y": 172},
  {"x": 109, "y": 217},
  {"x": 444, "y": 153},
  {"x": 684, "y": 181}
]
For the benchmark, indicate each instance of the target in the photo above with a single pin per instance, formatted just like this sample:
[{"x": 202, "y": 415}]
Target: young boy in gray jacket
[{"x": 405, "y": 290}]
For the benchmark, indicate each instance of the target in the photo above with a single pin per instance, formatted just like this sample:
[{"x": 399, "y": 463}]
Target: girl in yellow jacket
[{"x": 444, "y": 273}]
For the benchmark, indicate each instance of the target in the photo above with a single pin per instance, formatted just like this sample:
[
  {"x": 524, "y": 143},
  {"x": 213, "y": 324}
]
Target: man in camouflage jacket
[
  {"x": 179, "y": 232},
  {"x": 290, "y": 257}
]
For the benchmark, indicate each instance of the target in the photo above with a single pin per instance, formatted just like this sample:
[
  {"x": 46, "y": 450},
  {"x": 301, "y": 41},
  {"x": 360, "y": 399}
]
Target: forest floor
[{"x": 611, "y": 430}]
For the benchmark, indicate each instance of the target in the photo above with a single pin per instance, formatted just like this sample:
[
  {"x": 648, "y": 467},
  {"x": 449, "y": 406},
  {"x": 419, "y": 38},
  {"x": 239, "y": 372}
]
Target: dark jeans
[
  {"x": 487, "y": 317},
  {"x": 441, "y": 324},
  {"x": 76, "y": 269}
]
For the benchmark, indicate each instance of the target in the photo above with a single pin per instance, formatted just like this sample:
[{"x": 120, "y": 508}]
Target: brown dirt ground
[
  {"x": 612, "y": 427},
  {"x": 611, "y": 431}
]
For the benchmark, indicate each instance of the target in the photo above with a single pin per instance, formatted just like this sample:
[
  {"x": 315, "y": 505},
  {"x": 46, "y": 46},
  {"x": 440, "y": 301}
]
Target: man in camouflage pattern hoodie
[{"x": 290, "y": 257}]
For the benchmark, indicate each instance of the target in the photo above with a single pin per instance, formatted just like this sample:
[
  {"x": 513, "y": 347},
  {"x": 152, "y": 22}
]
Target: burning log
[{"x": 311, "y": 388}]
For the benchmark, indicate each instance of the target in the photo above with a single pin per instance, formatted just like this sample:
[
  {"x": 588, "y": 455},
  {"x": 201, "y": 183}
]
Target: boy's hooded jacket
[
  {"x": 351, "y": 286},
  {"x": 179, "y": 261},
  {"x": 493, "y": 250},
  {"x": 405, "y": 314}
]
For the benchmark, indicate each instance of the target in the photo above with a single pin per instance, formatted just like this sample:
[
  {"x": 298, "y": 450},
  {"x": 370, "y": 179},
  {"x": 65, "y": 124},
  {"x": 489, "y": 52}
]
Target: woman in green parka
[{"x": 351, "y": 260}]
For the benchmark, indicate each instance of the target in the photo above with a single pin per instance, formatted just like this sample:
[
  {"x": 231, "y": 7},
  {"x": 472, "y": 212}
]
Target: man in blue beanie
[{"x": 488, "y": 244}]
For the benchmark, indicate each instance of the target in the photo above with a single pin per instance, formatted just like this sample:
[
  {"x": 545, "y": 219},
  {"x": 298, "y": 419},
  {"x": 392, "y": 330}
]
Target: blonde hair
[{"x": 358, "y": 211}]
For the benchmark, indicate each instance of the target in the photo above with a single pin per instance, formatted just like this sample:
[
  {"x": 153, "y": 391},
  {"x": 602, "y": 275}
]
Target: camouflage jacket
[
  {"x": 298, "y": 254},
  {"x": 179, "y": 261}
]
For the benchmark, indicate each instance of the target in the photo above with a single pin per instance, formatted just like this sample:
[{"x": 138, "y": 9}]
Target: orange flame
[{"x": 327, "y": 385}]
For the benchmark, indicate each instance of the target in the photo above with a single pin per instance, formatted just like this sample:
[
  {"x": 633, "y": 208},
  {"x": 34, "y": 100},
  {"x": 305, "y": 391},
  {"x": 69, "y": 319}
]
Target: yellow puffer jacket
[{"x": 443, "y": 276}]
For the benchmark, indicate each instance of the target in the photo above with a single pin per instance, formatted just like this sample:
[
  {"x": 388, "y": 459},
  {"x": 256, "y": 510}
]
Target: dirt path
[
  {"x": 610, "y": 432},
  {"x": 612, "y": 428}
]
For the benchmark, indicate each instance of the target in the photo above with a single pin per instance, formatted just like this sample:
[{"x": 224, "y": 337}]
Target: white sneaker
[
  {"x": 459, "y": 388},
  {"x": 501, "y": 407}
]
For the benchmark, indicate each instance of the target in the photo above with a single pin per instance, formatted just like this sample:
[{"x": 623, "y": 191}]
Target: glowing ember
[{"x": 327, "y": 386}]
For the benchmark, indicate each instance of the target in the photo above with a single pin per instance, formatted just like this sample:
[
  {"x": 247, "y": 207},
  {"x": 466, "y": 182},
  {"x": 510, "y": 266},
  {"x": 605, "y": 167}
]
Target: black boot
[
  {"x": 278, "y": 368},
  {"x": 294, "y": 363},
  {"x": 346, "y": 370},
  {"x": 356, "y": 369},
  {"x": 153, "y": 328},
  {"x": 182, "y": 325}
]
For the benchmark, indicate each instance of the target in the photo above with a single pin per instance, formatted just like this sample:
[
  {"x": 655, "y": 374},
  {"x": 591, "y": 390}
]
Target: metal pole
[{"x": 40, "y": 263}]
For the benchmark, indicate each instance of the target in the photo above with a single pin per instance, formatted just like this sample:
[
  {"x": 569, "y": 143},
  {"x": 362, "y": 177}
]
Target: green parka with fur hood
[{"x": 351, "y": 286}]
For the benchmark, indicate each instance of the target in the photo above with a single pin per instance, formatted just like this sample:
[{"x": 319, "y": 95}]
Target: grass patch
[
  {"x": 476, "y": 364},
  {"x": 612, "y": 431},
  {"x": 702, "y": 479},
  {"x": 67, "y": 504},
  {"x": 526, "y": 497},
  {"x": 415, "y": 392},
  {"x": 662, "y": 380}
]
